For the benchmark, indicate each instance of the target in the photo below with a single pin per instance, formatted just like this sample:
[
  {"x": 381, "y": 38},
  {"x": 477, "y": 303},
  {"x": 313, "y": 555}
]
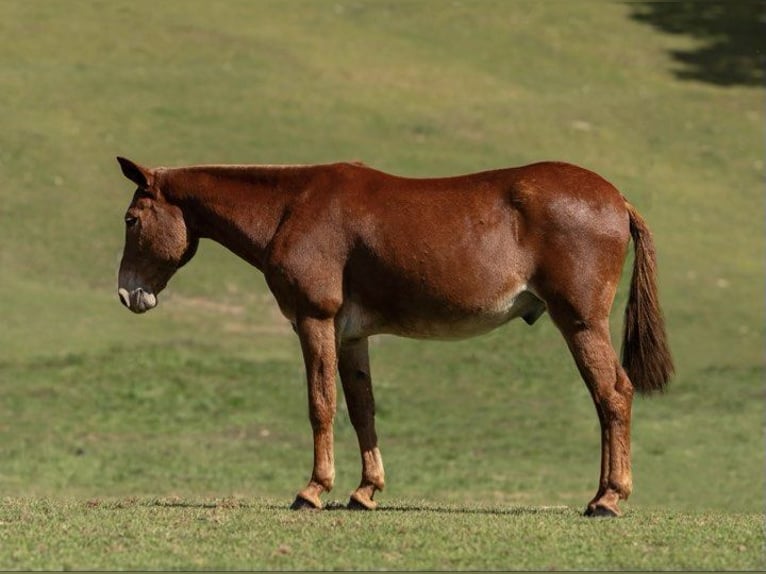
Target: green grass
[
  {"x": 232, "y": 533},
  {"x": 490, "y": 445}
]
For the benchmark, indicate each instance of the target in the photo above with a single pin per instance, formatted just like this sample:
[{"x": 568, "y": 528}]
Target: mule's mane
[
  {"x": 183, "y": 180},
  {"x": 238, "y": 171},
  {"x": 218, "y": 167},
  {"x": 273, "y": 174}
]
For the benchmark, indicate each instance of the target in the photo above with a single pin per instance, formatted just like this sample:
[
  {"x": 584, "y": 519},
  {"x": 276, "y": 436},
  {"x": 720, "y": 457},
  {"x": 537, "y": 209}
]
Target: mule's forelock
[{"x": 143, "y": 177}]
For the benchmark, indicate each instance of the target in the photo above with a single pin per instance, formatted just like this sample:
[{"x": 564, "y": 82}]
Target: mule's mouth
[{"x": 137, "y": 300}]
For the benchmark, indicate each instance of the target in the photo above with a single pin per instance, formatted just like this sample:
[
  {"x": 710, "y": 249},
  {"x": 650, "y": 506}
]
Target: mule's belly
[{"x": 357, "y": 321}]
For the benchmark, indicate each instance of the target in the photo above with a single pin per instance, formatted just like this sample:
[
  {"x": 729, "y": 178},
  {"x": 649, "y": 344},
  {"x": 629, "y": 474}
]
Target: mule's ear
[{"x": 141, "y": 176}]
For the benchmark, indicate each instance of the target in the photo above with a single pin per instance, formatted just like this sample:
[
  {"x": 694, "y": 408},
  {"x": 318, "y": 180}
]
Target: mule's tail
[{"x": 646, "y": 356}]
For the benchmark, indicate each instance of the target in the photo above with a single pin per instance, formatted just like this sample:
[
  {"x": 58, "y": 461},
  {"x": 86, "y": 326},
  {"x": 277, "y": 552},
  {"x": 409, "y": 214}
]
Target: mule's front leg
[
  {"x": 317, "y": 338},
  {"x": 354, "y": 367}
]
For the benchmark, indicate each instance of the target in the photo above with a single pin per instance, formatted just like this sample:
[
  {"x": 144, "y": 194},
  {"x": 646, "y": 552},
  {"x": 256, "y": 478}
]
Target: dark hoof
[
  {"x": 354, "y": 504},
  {"x": 600, "y": 512},
  {"x": 302, "y": 504}
]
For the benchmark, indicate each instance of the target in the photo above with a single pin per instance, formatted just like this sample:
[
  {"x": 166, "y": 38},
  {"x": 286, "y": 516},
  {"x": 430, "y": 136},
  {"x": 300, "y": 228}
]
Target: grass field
[
  {"x": 232, "y": 534},
  {"x": 178, "y": 439}
]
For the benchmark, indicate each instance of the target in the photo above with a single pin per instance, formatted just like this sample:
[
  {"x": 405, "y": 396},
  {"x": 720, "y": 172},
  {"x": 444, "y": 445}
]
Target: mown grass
[
  {"x": 161, "y": 456},
  {"x": 235, "y": 534},
  {"x": 202, "y": 401},
  {"x": 184, "y": 418}
]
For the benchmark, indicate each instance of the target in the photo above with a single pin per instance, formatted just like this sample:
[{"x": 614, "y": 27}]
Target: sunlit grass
[{"x": 204, "y": 398}]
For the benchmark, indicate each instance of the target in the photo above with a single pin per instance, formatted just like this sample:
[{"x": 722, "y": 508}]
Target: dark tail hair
[{"x": 645, "y": 353}]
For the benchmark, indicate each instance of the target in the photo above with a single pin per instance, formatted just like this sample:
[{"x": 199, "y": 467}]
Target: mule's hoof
[
  {"x": 598, "y": 511},
  {"x": 356, "y": 504},
  {"x": 301, "y": 503}
]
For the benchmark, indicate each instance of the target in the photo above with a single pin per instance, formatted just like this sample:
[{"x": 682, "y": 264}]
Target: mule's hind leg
[
  {"x": 354, "y": 367},
  {"x": 612, "y": 394}
]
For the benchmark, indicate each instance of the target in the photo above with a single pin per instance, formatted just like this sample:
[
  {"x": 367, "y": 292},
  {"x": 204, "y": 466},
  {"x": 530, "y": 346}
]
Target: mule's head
[{"x": 157, "y": 240}]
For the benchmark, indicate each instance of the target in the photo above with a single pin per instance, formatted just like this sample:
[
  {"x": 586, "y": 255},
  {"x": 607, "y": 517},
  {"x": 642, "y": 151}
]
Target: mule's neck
[{"x": 239, "y": 207}]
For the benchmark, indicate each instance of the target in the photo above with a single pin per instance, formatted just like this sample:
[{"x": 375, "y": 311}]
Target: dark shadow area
[
  {"x": 335, "y": 506},
  {"x": 331, "y": 506},
  {"x": 132, "y": 502},
  {"x": 730, "y": 35},
  {"x": 511, "y": 510}
]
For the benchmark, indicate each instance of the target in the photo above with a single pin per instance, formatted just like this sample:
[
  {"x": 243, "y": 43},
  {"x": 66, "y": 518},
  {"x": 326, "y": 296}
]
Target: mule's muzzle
[{"x": 137, "y": 300}]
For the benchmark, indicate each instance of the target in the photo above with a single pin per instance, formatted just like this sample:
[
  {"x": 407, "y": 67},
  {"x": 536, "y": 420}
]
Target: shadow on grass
[
  {"x": 405, "y": 508},
  {"x": 133, "y": 502},
  {"x": 332, "y": 506},
  {"x": 730, "y": 38},
  {"x": 511, "y": 510}
]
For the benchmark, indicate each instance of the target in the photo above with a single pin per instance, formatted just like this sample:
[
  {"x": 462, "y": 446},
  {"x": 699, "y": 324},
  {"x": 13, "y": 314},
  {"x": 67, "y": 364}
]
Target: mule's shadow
[
  {"x": 333, "y": 506},
  {"x": 336, "y": 506}
]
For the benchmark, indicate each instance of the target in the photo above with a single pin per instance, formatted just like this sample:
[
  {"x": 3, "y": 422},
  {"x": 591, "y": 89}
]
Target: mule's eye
[{"x": 130, "y": 221}]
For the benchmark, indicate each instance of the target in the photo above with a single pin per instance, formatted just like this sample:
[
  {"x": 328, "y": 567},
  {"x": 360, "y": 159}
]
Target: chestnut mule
[{"x": 349, "y": 252}]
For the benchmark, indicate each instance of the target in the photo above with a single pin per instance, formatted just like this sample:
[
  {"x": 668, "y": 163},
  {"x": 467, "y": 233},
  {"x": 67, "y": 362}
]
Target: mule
[{"x": 349, "y": 252}]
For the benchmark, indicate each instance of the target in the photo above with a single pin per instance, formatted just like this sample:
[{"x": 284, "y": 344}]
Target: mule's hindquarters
[{"x": 586, "y": 232}]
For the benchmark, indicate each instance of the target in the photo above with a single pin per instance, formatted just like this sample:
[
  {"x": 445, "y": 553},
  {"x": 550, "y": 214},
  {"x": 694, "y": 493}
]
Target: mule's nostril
[{"x": 124, "y": 297}]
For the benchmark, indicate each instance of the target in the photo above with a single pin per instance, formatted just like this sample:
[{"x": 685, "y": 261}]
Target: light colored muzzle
[{"x": 137, "y": 300}]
